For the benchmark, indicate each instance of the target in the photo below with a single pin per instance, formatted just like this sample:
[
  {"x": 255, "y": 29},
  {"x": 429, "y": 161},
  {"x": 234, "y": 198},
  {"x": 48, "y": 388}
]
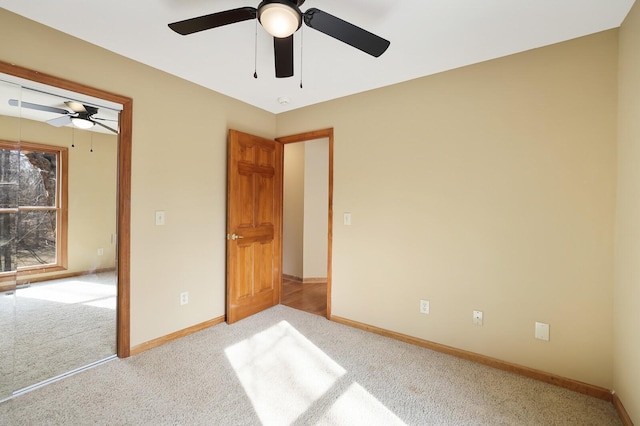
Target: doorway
[{"x": 307, "y": 221}]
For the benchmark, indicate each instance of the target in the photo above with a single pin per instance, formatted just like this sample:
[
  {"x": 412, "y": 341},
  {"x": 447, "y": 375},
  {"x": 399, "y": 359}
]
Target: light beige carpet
[
  {"x": 287, "y": 367},
  {"x": 50, "y": 328}
]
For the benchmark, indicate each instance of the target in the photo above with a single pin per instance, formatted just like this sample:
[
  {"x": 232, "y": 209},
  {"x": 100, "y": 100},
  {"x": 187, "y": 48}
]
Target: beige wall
[
  {"x": 92, "y": 188},
  {"x": 305, "y": 226},
  {"x": 316, "y": 207},
  {"x": 293, "y": 210},
  {"x": 490, "y": 187},
  {"x": 179, "y": 165},
  {"x": 93, "y": 182},
  {"x": 627, "y": 267}
]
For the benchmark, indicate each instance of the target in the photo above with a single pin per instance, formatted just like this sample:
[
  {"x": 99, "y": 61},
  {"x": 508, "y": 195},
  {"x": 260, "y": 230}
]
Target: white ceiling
[{"x": 427, "y": 37}]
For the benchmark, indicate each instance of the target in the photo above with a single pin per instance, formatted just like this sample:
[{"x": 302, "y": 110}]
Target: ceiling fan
[
  {"x": 282, "y": 18},
  {"x": 81, "y": 116}
]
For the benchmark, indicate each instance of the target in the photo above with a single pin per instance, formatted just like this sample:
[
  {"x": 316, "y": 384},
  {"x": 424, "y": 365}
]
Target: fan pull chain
[
  {"x": 73, "y": 138},
  {"x": 301, "y": 45},
  {"x": 91, "y": 142},
  {"x": 255, "y": 54}
]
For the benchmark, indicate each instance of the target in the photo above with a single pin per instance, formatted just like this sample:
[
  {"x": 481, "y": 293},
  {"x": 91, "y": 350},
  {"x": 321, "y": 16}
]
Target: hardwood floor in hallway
[{"x": 310, "y": 297}]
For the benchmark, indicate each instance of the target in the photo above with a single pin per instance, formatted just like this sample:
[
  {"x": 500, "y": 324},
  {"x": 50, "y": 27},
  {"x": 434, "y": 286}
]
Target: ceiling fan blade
[
  {"x": 346, "y": 32},
  {"x": 60, "y": 121},
  {"x": 214, "y": 20},
  {"x": 283, "y": 52},
  {"x": 105, "y": 126},
  {"x": 75, "y": 106},
  {"x": 15, "y": 102}
]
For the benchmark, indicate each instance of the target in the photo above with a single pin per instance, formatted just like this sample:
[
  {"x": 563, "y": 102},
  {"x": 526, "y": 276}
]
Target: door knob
[{"x": 235, "y": 236}]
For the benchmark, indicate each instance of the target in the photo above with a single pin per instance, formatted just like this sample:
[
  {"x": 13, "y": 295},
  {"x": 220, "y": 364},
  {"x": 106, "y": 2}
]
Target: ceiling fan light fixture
[
  {"x": 82, "y": 123},
  {"x": 279, "y": 18}
]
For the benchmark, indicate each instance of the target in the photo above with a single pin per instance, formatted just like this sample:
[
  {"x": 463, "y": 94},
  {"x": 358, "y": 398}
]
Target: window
[{"x": 33, "y": 208}]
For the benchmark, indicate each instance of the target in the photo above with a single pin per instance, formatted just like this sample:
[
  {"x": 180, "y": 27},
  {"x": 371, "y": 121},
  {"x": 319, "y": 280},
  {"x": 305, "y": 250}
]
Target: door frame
[
  {"x": 124, "y": 188},
  {"x": 309, "y": 136}
]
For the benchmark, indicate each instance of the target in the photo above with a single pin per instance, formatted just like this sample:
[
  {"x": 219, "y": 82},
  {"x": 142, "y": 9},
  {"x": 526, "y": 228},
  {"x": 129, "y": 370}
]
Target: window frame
[{"x": 61, "y": 207}]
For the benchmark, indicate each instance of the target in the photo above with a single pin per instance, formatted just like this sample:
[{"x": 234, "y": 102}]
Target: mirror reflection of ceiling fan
[
  {"x": 81, "y": 116},
  {"x": 282, "y": 18}
]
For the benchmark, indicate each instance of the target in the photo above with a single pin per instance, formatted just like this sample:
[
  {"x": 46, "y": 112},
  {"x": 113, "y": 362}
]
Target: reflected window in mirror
[
  {"x": 39, "y": 201},
  {"x": 9, "y": 166}
]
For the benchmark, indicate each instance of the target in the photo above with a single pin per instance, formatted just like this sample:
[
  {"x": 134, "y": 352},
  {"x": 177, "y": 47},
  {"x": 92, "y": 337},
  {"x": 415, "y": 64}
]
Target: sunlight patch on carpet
[
  {"x": 72, "y": 292},
  {"x": 107, "y": 303},
  {"x": 356, "y": 406},
  {"x": 283, "y": 373}
]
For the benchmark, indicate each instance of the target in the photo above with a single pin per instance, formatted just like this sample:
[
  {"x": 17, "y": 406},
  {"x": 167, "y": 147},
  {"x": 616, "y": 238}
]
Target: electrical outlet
[
  {"x": 184, "y": 297},
  {"x": 477, "y": 317},
  {"x": 100, "y": 251},
  {"x": 424, "y": 306}
]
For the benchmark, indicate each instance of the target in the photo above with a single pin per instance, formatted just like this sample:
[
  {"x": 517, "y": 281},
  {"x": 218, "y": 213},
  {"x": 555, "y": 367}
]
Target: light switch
[
  {"x": 542, "y": 331},
  {"x": 159, "y": 217},
  {"x": 347, "y": 219}
]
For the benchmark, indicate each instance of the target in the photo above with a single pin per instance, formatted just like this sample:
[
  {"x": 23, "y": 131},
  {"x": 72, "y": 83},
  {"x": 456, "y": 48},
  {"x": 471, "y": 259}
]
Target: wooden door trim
[
  {"x": 309, "y": 136},
  {"x": 124, "y": 187}
]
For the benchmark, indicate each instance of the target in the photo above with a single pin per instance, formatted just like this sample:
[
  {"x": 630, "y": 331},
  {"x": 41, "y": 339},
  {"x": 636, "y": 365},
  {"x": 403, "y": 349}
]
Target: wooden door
[{"x": 254, "y": 225}]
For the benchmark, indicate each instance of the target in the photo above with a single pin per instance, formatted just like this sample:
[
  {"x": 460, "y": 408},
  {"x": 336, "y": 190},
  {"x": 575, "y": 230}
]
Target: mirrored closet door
[
  {"x": 58, "y": 236},
  {"x": 9, "y": 130}
]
